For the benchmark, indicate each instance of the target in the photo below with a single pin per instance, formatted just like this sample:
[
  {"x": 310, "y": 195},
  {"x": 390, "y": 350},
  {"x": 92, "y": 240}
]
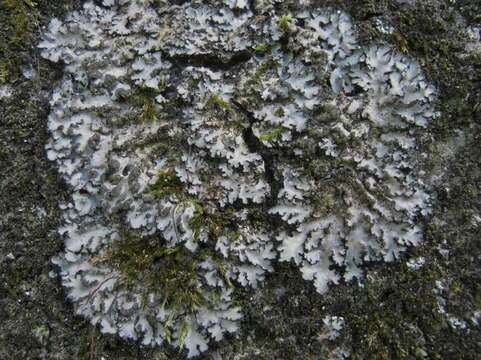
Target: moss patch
[
  {"x": 169, "y": 272},
  {"x": 167, "y": 184},
  {"x": 18, "y": 23},
  {"x": 217, "y": 101}
]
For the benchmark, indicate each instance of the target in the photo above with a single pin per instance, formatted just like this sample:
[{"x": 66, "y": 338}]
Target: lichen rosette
[{"x": 201, "y": 143}]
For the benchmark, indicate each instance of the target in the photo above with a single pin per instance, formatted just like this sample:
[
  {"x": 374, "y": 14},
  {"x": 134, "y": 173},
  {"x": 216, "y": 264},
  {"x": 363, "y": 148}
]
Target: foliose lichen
[{"x": 202, "y": 142}]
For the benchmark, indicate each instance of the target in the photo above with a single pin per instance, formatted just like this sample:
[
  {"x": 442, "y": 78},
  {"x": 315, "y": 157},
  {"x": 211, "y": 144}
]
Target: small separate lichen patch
[{"x": 201, "y": 143}]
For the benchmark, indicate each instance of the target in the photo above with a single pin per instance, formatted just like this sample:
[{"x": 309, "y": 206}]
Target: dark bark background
[{"x": 395, "y": 315}]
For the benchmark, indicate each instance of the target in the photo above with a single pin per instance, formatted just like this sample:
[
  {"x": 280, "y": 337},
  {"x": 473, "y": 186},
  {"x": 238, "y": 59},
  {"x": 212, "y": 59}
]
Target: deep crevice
[
  {"x": 256, "y": 146},
  {"x": 210, "y": 61}
]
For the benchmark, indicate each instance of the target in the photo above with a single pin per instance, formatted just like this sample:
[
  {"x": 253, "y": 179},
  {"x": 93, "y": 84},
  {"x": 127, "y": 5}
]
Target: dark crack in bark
[
  {"x": 210, "y": 61},
  {"x": 269, "y": 158}
]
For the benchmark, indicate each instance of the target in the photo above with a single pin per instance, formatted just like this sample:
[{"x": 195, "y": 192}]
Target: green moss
[
  {"x": 216, "y": 100},
  {"x": 263, "y": 49},
  {"x": 197, "y": 221},
  {"x": 215, "y": 223},
  {"x": 18, "y": 25},
  {"x": 231, "y": 118},
  {"x": 149, "y": 113},
  {"x": 4, "y": 72},
  {"x": 184, "y": 330},
  {"x": 169, "y": 272},
  {"x": 285, "y": 23},
  {"x": 324, "y": 201},
  {"x": 280, "y": 112},
  {"x": 401, "y": 42},
  {"x": 41, "y": 333},
  {"x": 167, "y": 184},
  {"x": 272, "y": 135},
  {"x": 142, "y": 98},
  {"x": 471, "y": 191},
  {"x": 316, "y": 168},
  {"x": 252, "y": 88},
  {"x": 21, "y": 20},
  {"x": 269, "y": 64}
]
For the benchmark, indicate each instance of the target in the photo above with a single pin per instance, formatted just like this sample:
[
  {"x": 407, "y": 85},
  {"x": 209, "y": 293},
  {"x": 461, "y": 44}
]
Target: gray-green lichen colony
[{"x": 206, "y": 140}]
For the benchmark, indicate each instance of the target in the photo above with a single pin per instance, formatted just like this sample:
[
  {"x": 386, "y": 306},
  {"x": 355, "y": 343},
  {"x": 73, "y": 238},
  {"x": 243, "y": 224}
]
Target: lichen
[{"x": 197, "y": 155}]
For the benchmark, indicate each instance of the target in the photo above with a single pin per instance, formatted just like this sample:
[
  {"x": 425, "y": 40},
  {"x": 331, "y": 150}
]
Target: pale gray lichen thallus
[{"x": 184, "y": 131}]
